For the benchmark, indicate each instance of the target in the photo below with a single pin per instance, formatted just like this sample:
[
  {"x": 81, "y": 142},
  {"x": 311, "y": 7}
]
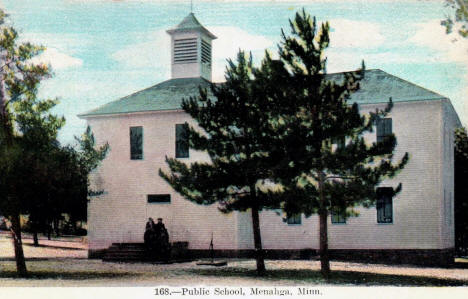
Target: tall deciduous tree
[
  {"x": 37, "y": 131},
  {"x": 327, "y": 164},
  {"x": 235, "y": 135},
  {"x": 19, "y": 80},
  {"x": 38, "y": 177}
]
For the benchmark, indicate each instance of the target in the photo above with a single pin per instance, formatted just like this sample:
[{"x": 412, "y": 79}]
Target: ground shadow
[
  {"x": 53, "y": 247},
  {"x": 337, "y": 277},
  {"x": 66, "y": 275}
]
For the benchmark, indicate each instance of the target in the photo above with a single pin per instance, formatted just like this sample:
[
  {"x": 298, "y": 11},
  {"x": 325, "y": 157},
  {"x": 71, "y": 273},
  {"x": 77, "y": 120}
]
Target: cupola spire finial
[{"x": 191, "y": 6}]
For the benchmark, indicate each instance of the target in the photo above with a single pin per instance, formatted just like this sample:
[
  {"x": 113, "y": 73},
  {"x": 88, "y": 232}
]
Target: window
[
  {"x": 338, "y": 217},
  {"x": 384, "y": 205},
  {"x": 159, "y": 198},
  {"x": 294, "y": 219},
  {"x": 384, "y": 128},
  {"x": 340, "y": 142},
  {"x": 136, "y": 143},
  {"x": 182, "y": 144}
]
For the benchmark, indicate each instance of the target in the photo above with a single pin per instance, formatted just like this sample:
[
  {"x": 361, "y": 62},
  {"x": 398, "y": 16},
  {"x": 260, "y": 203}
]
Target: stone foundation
[
  {"x": 422, "y": 257},
  {"x": 96, "y": 253}
]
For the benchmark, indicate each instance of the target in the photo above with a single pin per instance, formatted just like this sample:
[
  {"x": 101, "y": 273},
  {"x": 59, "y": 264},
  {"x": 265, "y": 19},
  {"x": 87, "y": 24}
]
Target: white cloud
[
  {"x": 355, "y": 34},
  {"x": 227, "y": 45},
  {"x": 231, "y": 39},
  {"x": 64, "y": 42},
  {"x": 449, "y": 48},
  {"x": 155, "y": 53},
  {"x": 57, "y": 59}
]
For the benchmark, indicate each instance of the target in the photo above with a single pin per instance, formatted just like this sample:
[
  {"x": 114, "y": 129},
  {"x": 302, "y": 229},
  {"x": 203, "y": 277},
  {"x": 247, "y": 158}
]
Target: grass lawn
[
  {"x": 64, "y": 263},
  {"x": 83, "y": 272}
]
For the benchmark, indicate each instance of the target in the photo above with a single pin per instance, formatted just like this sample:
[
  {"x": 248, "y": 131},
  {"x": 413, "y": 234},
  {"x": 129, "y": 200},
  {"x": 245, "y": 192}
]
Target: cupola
[{"x": 191, "y": 49}]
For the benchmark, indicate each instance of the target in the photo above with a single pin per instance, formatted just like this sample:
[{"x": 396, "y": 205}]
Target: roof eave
[
  {"x": 202, "y": 29},
  {"x": 109, "y": 114}
]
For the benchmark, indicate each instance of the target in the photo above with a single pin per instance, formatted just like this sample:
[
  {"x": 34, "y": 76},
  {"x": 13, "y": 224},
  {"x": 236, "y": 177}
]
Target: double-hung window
[
  {"x": 182, "y": 141},
  {"x": 294, "y": 219},
  {"x": 384, "y": 205},
  {"x": 384, "y": 128},
  {"x": 136, "y": 143},
  {"x": 338, "y": 217}
]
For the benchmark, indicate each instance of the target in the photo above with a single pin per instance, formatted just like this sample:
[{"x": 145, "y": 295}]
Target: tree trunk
[
  {"x": 323, "y": 215},
  {"x": 35, "y": 238},
  {"x": 15, "y": 219},
  {"x": 56, "y": 228},
  {"x": 18, "y": 245},
  {"x": 259, "y": 256},
  {"x": 324, "y": 257}
]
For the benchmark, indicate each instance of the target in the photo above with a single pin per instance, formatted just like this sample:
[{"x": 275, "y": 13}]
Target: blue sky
[{"x": 101, "y": 50}]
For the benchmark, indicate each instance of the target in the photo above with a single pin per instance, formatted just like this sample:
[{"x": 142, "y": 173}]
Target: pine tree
[
  {"x": 458, "y": 17},
  {"x": 326, "y": 166},
  {"x": 234, "y": 119},
  {"x": 461, "y": 191}
]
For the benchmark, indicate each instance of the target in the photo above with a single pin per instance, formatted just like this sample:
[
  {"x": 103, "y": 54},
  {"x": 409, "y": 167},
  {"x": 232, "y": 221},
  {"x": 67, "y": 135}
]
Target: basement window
[{"x": 159, "y": 198}]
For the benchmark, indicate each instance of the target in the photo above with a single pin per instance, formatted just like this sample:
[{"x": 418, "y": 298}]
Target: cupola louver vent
[
  {"x": 185, "y": 50},
  {"x": 205, "y": 52}
]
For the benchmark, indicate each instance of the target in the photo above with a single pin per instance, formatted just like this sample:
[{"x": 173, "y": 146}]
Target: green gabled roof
[
  {"x": 166, "y": 95},
  {"x": 190, "y": 23},
  {"x": 376, "y": 87}
]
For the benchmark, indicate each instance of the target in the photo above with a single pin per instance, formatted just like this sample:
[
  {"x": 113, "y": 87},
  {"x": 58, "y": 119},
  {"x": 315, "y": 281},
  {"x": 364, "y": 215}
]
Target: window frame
[
  {"x": 178, "y": 141},
  {"x": 340, "y": 215},
  {"x": 294, "y": 219},
  {"x": 384, "y": 193},
  {"x": 149, "y": 201},
  {"x": 136, "y": 156},
  {"x": 384, "y": 128}
]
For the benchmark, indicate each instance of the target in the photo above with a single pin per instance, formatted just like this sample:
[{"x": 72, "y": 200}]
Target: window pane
[
  {"x": 159, "y": 198},
  {"x": 384, "y": 205},
  {"x": 182, "y": 145},
  {"x": 136, "y": 143},
  {"x": 294, "y": 219},
  {"x": 338, "y": 217},
  {"x": 384, "y": 128}
]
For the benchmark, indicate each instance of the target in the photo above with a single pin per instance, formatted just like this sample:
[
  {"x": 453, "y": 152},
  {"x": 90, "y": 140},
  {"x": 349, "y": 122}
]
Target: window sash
[
  {"x": 384, "y": 206},
  {"x": 159, "y": 198},
  {"x": 136, "y": 143},
  {"x": 182, "y": 141},
  {"x": 337, "y": 217},
  {"x": 384, "y": 128},
  {"x": 294, "y": 219}
]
